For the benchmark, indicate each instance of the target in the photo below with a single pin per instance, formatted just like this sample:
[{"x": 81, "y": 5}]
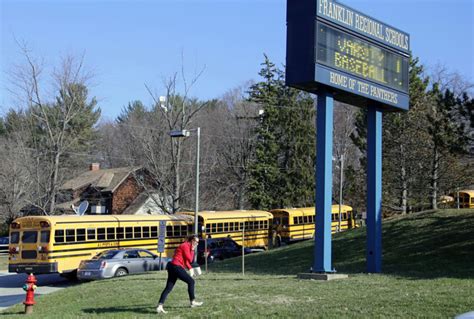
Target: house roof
[{"x": 103, "y": 179}]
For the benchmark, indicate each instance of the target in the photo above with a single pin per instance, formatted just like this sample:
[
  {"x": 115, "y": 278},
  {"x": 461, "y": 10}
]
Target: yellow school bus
[
  {"x": 218, "y": 224},
  {"x": 295, "y": 224},
  {"x": 466, "y": 198},
  {"x": 51, "y": 244}
]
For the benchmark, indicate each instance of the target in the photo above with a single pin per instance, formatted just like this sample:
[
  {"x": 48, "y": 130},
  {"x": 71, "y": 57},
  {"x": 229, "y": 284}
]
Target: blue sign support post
[
  {"x": 374, "y": 189},
  {"x": 324, "y": 126}
]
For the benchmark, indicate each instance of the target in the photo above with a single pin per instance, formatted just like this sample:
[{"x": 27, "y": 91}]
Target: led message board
[{"x": 357, "y": 57}]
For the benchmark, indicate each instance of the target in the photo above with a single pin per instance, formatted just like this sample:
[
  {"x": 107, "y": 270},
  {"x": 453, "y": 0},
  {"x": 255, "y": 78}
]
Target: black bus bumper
[{"x": 46, "y": 268}]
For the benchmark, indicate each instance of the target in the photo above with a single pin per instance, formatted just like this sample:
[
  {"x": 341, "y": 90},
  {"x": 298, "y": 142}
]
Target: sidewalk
[{"x": 11, "y": 291}]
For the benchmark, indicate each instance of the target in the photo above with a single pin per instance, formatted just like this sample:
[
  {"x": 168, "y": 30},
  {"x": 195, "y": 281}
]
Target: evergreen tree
[
  {"x": 283, "y": 173},
  {"x": 446, "y": 125},
  {"x": 134, "y": 110},
  {"x": 402, "y": 140}
]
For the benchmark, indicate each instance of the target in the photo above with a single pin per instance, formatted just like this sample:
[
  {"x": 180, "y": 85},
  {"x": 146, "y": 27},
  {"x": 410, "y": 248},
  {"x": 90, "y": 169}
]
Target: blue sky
[{"x": 130, "y": 43}]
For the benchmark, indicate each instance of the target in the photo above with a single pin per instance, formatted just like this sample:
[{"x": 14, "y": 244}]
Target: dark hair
[{"x": 191, "y": 238}]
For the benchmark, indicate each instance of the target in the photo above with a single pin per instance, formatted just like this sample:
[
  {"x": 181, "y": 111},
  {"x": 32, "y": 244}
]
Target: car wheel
[{"x": 121, "y": 272}]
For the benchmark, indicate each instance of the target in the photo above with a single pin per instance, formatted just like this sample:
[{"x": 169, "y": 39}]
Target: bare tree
[
  {"x": 148, "y": 143},
  {"x": 344, "y": 148},
  {"x": 53, "y": 122},
  {"x": 233, "y": 134}
]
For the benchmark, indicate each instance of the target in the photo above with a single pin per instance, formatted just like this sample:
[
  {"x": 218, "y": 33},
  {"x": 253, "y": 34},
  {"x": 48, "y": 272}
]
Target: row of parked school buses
[{"x": 50, "y": 244}]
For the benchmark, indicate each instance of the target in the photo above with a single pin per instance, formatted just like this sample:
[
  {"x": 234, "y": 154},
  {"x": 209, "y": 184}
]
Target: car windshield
[{"x": 106, "y": 254}]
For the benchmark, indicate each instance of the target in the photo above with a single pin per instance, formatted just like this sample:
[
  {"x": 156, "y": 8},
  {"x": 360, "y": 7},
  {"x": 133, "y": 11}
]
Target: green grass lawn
[{"x": 427, "y": 272}]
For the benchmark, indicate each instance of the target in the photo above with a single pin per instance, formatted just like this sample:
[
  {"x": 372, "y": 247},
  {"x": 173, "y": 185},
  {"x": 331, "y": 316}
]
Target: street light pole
[
  {"x": 186, "y": 133},
  {"x": 196, "y": 209}
]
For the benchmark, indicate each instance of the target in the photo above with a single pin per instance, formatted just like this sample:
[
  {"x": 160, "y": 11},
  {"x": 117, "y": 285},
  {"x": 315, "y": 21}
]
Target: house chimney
[{"x": 94, "y": 167}]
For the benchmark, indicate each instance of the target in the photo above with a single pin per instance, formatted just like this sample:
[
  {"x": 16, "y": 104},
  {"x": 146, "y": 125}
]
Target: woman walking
[{"x": 183, "y": 256}]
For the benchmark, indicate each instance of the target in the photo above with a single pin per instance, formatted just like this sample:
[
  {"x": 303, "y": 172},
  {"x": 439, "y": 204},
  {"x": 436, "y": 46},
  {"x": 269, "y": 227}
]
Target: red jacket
[{"x": 184, "y": 255}]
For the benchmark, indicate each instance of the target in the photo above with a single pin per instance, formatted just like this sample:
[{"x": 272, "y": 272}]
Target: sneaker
[
  {"x": 195, "y": 303},
  {"x": 160, "y": 309}
]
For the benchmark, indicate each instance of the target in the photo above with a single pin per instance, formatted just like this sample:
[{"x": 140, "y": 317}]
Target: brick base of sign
[{"x": 322, "y": 276}]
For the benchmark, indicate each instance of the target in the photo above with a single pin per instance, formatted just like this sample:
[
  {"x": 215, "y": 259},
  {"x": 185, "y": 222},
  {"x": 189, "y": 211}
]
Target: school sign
[
  {"x": 342, "y": 54},
  {"x": 360, "y": 58}
]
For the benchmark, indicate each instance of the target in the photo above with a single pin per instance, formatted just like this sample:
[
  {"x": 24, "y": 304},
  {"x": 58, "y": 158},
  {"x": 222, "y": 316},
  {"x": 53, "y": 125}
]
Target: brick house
[{"x": 108, "y": 191}]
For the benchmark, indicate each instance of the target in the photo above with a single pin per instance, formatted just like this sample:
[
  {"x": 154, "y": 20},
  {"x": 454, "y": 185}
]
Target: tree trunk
[
  {"x": 404, "y": 183},
  {"x": 54, "y": 184},
  {"x": 434, "y": 178}
]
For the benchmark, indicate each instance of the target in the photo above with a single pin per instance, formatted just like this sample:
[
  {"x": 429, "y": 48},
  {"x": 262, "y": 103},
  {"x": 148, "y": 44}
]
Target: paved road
[{"x": 11, "y": 287}]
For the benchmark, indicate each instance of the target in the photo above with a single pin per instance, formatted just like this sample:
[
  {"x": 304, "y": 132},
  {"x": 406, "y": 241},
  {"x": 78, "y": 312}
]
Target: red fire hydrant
[{"x": 29, "y": 287}]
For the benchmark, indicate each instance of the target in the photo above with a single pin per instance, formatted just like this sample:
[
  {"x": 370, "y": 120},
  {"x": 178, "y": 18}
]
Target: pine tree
[{"x": 283, "y": 173}]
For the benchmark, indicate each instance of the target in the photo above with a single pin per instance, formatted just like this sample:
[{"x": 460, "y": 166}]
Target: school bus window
[
  {"x": 219, "y": 227},
  {"x": 295, "y": 220},
  {"x": 146, "y": 232},
  {"x": 120, "y": 234},
  {"x": 305, "y": 219},
  {"x": 154, "y": 231},
  {"x": 226, "y": 227},
  {"x": 44, "y": 236},
  {"x": 110, "y": 233},
  {"x": 15, "y": 237},
  {"x": 169, "y": 231},
  {"x": 137, "y": 232},
  {"x": 70, "y": 235},
  {"x": 128, "y": 232},
  {"x": 100, "y": 233},
  {"x": 208, "y": 228},
  {"x": 265, "y": 224},
  {"x": 90, "y": 233},
  {"x": 81, "y": 234},
  {"x": 29, "y": 237},
  {"x": 184, "y": 230}
]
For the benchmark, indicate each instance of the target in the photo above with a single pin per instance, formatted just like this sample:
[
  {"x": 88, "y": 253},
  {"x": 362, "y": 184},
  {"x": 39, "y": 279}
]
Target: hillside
[
  {"x": 427, "y": 244},
  {"x": 427, "y": 272}
]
